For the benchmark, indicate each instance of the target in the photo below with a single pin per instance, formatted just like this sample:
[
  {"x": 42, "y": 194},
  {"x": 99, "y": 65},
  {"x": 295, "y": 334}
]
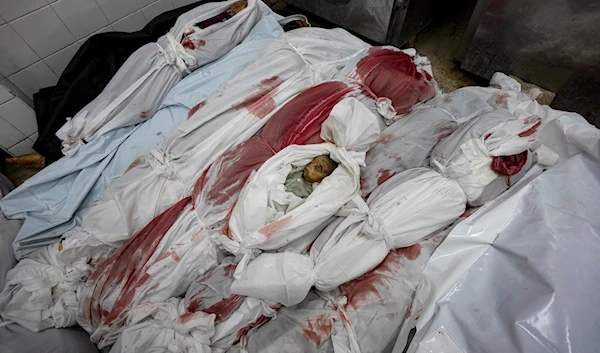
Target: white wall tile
[
  {"x": 17, "y": 92},
  {"x": 5, "y": 94},
  {"x": 15, "y": 54},
  {"x": 131, "y": 23},
  {"x": 34, "y": 137},
  {"x": 19, "y": 115},
  {"x": 103, "y": 30},
  {"x": 34, "y": 78},
  {"x": 83, "y": 17},
  {"x": 43, "y": 31},
  {"x": 59, "y": 60},
  {"x": 9, "y": 135},
  {"x": 13, "y": 9},
  {"x": 117, "y": 9},
  {"x": 145, "y": 2},
  {"x": 157, "y": 8},
  {"x": 21, "y": 148},
  {"x": 2, "y": 20},
  {"x": 180, "y": 3}
]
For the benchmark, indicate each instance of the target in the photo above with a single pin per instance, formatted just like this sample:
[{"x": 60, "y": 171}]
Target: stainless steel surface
[
  {"x": 552, "y": 43},
  {"x": 409, "y": 18},
  {"x": 384, "y": 21},
  {"x": 474, "y": 22},
  {"x": 369, "y": 18}
]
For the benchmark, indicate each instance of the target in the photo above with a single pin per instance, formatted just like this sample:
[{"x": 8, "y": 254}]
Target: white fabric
[
  {"x": 8, "y": 231},
  {"x": 179, "y": 257},
  {"x": 399, "y": 213},
  {"x": 40, "y": 292},
  {"x": 375, "y": 306},
  {"x": 166, "y": 175},
  {"x": 466, "y": 155},
  {"x": 158, "y": 328},
  {"x": 89, "y": 243},
  {"x": 137, "y": 89},
  {"x": 257, "y": 220},
  {"x": 299, "y": 59},
  {"x": 55, "y": 200}
]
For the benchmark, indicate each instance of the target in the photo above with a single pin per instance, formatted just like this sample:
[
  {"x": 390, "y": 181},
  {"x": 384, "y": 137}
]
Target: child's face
[{"x": 318, "y": 169}]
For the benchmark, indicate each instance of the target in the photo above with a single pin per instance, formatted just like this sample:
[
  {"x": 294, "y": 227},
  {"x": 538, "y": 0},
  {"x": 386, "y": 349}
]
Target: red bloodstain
[
  {"x": 392, "y": 74},
  {"x": 135, "y": 163},
  {"x": 188, "y": 44},
  {"x": 192, "y": 308},
  {"x": 444, "y": 132},
  {"x": 409, "y": 314},
  {"x": 384, "y": 175},
  {"x": 384, "y": 138},
  {"x": 411, "y": 252},
  {"x": 126, "y": 270},
  {"x": 487, "y": 136},
  {"x": 502, "y": 98},
  {"x": 143, "y": 115},
  {"x": 197, "y": 235},
  {"x": 228, "y": 175},
  {"x": 261, "y": 103},
  {"x": 318, "y": 328},
  {"x": 228, "y": 270},
  {"x": 224, "y": 308},
  {"x": 468, "y": 212},
  {"x": 360, "y": 290},
  {"x": 171, "y": 253},
  {"x": 364, "y": 289},
  {"x": 270, "y": 229},
  {"x": 200, "y": 184},
  {"x": 195, "y": 108},
  {"x": 243, "y": 333},
  {"x": 299, "y": 121},
  {"x": 532, "y": 130},
  {"x": 226, "y": 231},
  {"x": 312, "y": 336},
  {"x": 509, "y": 165}
]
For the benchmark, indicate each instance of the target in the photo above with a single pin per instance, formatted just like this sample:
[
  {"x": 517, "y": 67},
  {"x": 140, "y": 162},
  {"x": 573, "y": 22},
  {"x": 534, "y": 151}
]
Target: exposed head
[{"x": 319, "y": 168}]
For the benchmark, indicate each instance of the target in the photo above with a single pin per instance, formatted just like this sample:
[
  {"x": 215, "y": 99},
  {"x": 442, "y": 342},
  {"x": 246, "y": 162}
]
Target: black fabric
[{"x": 88, "y": 72}]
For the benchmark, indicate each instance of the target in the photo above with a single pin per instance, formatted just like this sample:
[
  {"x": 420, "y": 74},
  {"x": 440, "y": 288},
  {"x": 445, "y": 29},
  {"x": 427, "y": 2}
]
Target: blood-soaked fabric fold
[
  {"x": 125, "y": 271},
  {"x": 119, "y": 282},
  {"x": 509, "y": 165},
  {"x": 392, "y": 74}
]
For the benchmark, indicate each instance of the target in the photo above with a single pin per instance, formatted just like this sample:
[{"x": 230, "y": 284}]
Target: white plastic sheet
[
  {"x": 521, "y": 243},
  {"x": 399, "y": 213},
  {"x": 135, "y": 92}
]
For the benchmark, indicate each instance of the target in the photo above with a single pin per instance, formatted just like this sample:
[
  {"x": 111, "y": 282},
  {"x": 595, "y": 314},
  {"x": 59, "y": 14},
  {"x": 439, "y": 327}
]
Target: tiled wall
[{"x": 38, "y": 38}]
